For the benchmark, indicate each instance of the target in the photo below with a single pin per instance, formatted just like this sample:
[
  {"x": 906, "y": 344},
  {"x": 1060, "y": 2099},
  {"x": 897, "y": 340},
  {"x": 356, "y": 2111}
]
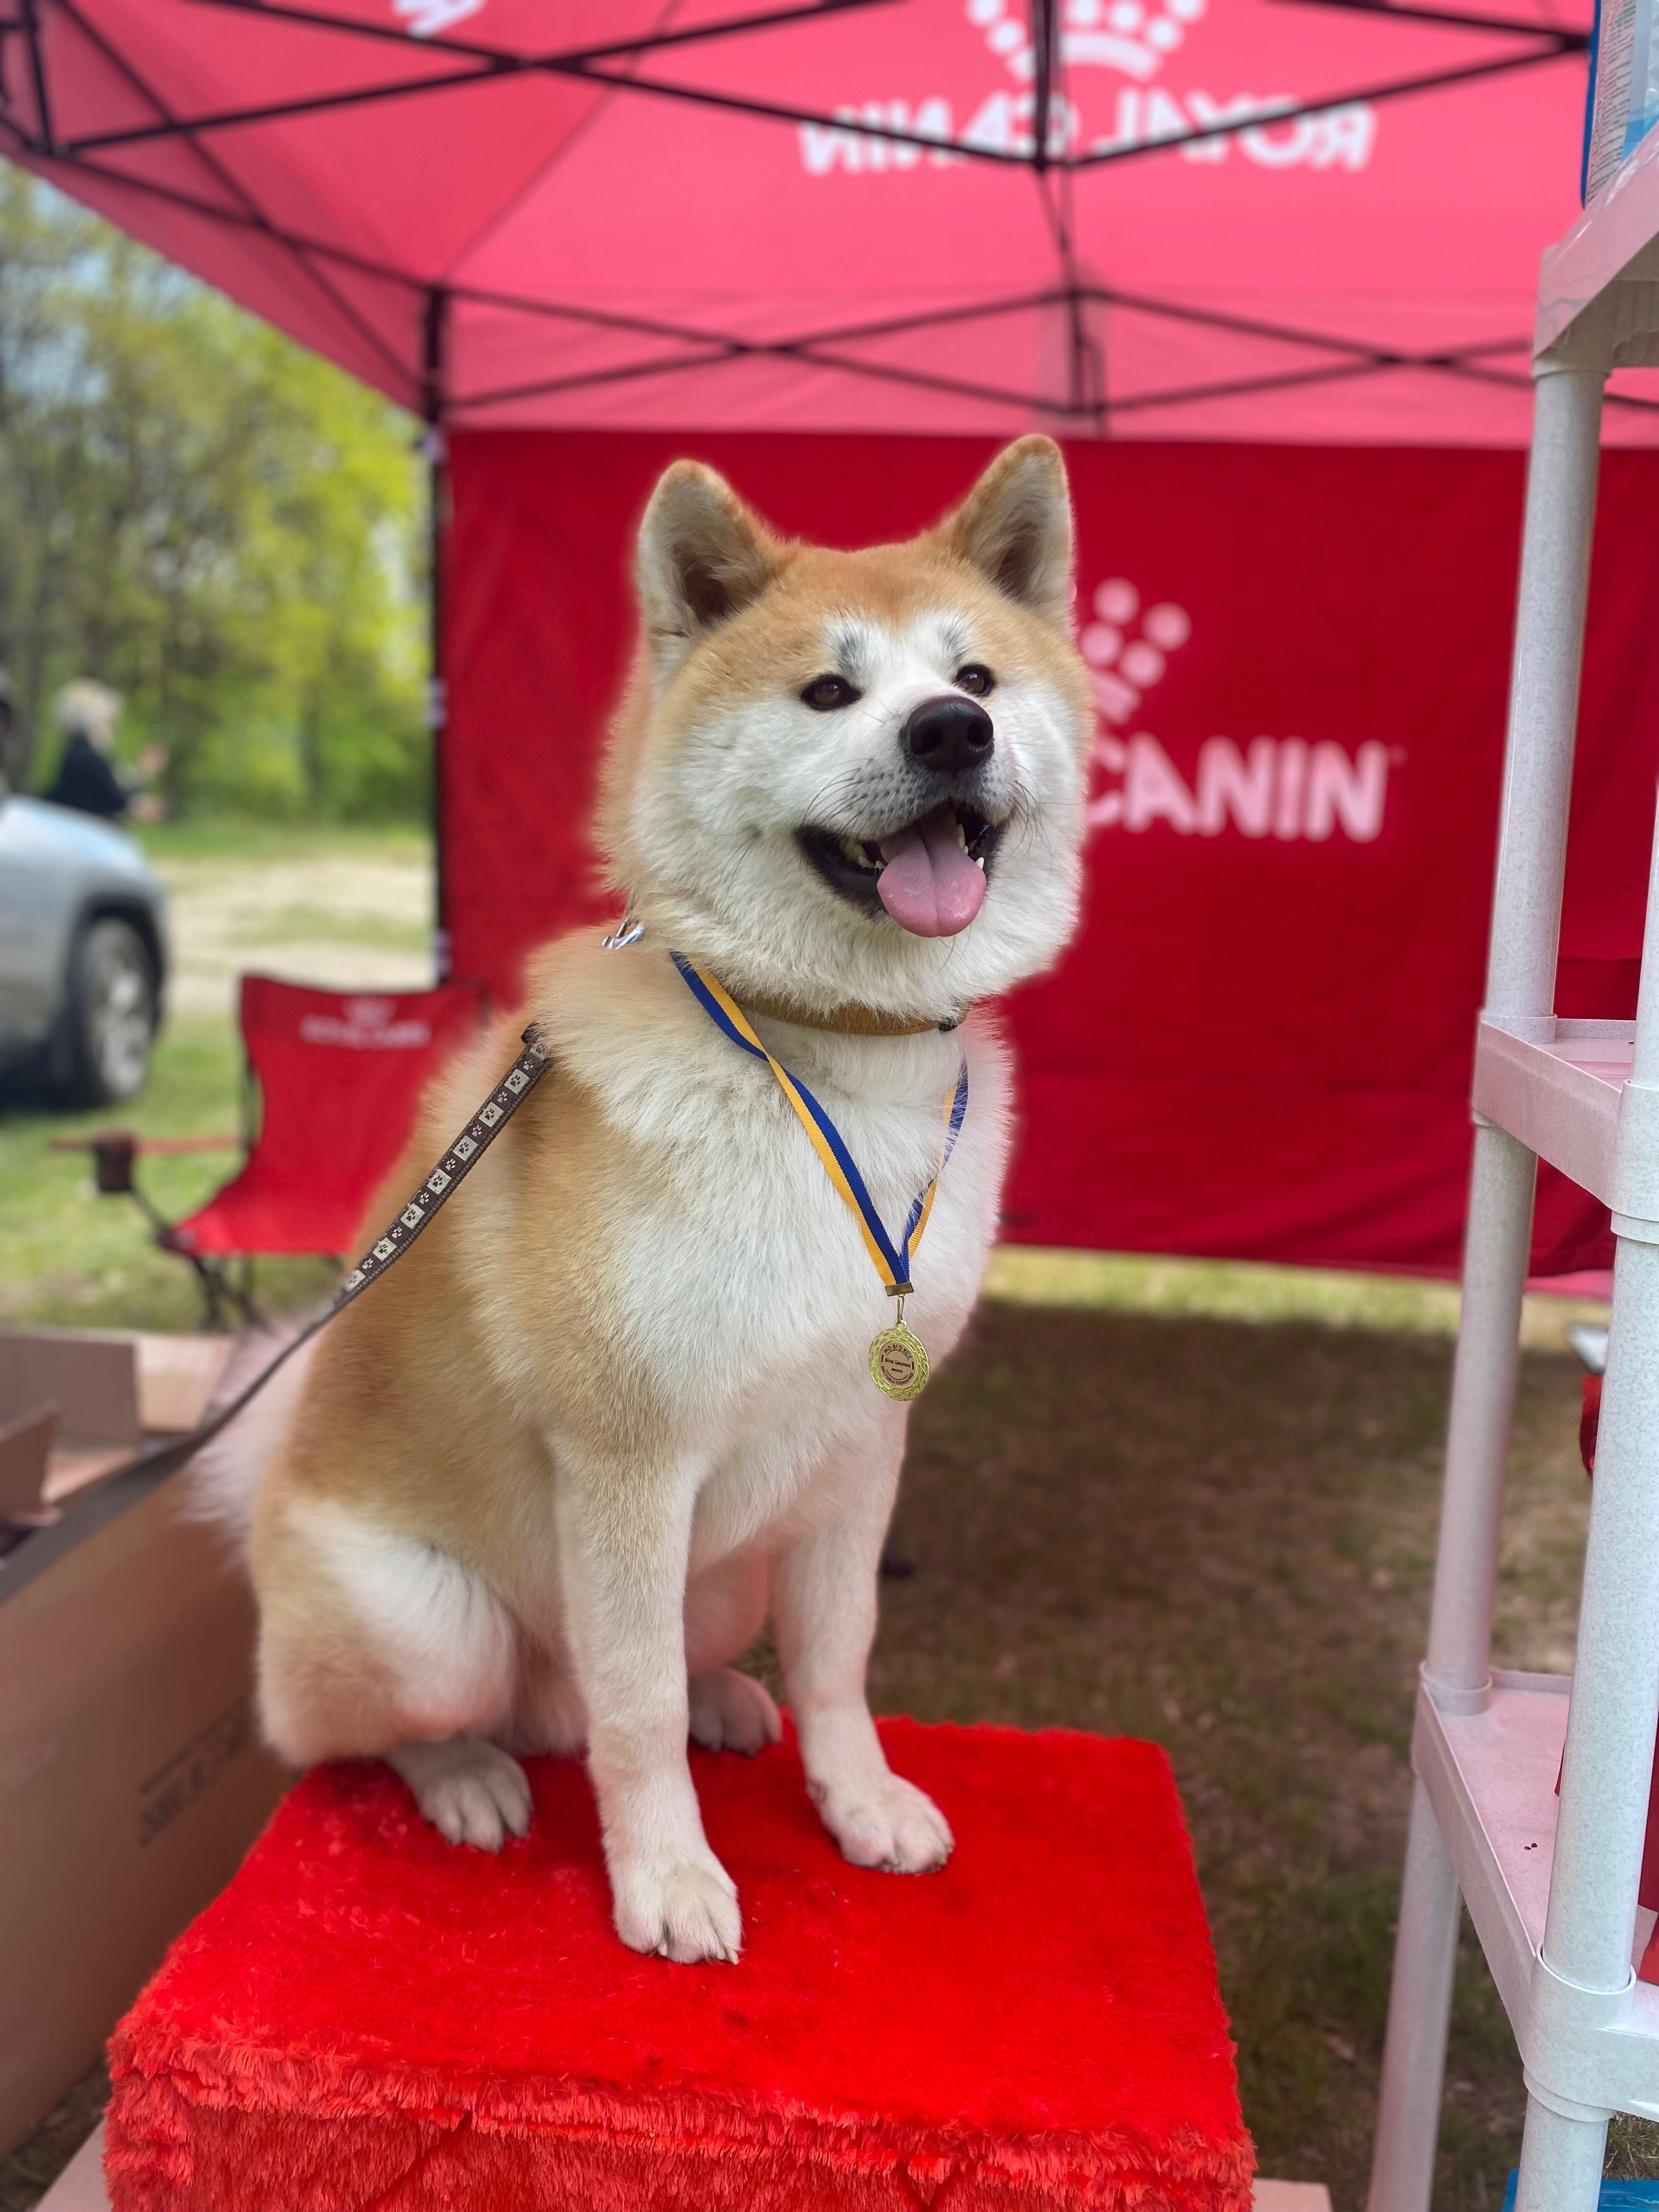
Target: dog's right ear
[{"x": 701, "y": 555}]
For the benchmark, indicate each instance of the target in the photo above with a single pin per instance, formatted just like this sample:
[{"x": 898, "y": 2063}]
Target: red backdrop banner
[{"x": 1260, "y": 1046}]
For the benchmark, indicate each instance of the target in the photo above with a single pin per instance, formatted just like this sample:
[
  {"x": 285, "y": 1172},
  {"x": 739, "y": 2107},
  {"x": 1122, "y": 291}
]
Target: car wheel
[{"x": 111, "y": 1015}]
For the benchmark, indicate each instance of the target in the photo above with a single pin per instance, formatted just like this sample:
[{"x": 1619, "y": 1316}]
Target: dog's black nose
[{"x": 949, "y": 735}]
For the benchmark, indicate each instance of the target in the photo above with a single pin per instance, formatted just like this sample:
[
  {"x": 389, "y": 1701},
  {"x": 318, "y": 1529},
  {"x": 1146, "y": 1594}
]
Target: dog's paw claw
[
  {"x": 471, "y": 1791},
  {"x": 686, "y": 1913},
  {"x": 732, "y": 1712},
  {"x": 896, "y": 1828}
]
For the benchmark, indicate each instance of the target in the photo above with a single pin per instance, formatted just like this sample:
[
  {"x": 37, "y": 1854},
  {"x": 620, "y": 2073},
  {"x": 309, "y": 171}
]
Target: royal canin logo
[
  {"x": 367, "y": 1025},
  {"x": 1112, "y": 51},
  {"x": 1281, "y": 787}
]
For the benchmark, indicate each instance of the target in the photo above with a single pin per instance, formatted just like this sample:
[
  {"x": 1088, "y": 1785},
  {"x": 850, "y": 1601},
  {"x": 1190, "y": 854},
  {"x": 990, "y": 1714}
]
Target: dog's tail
[{"x": 226, "y": 1474}]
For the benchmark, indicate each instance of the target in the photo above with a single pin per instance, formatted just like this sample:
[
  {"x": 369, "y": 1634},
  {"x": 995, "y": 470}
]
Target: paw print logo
[
  {"x": 1126, "y": 656},
  {"x": 1134, "y": 37}
]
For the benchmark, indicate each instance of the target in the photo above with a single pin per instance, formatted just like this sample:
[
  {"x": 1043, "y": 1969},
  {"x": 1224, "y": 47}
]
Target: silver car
[{"x": 82, "y": 953}]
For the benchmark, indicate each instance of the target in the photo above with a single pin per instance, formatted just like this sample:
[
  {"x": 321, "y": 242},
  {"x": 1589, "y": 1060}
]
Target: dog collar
[
  {"x": 847, "y": 1020},
  {"x": 840, "y": 1021}
]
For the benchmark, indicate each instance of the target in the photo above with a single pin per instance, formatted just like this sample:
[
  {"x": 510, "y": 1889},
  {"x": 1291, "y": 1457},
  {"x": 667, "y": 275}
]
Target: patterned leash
[{"x": 434, "y": 1194}]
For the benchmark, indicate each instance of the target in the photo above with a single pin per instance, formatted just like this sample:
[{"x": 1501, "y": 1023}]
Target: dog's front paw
[
  {"x": 895, "y": 1827},
  {"x": 684, "y": 1913}
]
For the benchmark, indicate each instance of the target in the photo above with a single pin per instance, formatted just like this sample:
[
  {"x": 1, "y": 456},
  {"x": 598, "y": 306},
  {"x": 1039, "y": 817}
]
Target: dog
[{"x": 538, "y": 1489}]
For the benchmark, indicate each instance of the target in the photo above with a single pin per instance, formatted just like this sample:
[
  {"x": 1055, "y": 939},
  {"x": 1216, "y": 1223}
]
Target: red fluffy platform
[{"x": 370, "y": 2017}]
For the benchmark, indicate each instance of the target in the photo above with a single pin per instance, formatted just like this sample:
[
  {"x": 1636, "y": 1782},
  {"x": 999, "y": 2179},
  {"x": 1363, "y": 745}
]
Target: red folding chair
[{"x": 334, "y": 1078}]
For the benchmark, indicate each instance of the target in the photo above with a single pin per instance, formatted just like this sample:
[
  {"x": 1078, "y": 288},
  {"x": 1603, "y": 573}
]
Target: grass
[
  {"x": 1191, "y": 1501},
  {"x": 250, "y": 843},
  {"x": 1247, "y": 1291},
  {"x": 72, "y": 1259},
  {"x": 315, "y": 925},
  {"x": 1218, "y": 1534}
]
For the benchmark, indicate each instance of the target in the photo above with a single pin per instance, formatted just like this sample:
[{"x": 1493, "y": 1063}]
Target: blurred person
[{"x": 87, "y": 779}]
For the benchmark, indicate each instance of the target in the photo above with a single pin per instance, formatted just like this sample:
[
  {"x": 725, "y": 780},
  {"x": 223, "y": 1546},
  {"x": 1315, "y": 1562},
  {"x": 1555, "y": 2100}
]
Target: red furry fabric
[{"x": 370, "y": 2017}]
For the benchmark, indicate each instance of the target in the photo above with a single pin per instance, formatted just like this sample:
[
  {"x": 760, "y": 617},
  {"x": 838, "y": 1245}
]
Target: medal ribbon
[{"x": 892, "y": 1263}]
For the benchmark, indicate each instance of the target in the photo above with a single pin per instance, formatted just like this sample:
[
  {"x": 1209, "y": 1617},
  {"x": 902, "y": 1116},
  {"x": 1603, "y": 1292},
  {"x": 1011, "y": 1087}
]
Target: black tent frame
[{"x": 1086, "y": 408}]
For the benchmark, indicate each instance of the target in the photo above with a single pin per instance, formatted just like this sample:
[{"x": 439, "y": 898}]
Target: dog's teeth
[
  {"x": 962, "y": 837},
  {"x": 855, "y": 851},
  {"x": 979, "y": 862}
]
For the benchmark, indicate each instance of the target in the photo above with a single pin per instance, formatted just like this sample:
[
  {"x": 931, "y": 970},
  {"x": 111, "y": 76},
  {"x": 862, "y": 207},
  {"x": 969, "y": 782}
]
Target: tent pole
[{"x": 437, "y": 707}]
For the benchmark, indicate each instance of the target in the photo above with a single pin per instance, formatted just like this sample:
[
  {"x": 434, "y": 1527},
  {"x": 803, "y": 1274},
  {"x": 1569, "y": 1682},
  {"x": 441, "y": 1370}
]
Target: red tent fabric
[
  {"x": 339, "y": 1074},
  {"x": 1269, "y": 267},
  {"x": 1261, "y": 1044},
  {"x": 1252, "y": 223}
]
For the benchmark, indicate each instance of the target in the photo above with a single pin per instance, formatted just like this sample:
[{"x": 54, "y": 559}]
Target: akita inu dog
[{"x": 541, "y": 1485}]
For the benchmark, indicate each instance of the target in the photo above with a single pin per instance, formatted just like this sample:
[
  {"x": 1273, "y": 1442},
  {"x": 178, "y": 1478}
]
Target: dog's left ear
[
  {"x": 1016, "y": 526},
  {"x": 701, "y": 556}
]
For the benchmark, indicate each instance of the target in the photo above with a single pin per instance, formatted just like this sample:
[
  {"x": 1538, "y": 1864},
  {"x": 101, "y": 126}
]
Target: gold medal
[{"x": 898, "y": 1362}]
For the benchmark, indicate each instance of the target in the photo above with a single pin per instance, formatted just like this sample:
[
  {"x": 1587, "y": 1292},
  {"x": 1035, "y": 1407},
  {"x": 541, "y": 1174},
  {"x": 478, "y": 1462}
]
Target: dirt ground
[{"x": 360, "y": 916}]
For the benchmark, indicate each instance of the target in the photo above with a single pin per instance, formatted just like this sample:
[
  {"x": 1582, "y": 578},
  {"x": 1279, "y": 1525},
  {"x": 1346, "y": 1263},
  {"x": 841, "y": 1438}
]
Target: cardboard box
[
  {"x": 131, "y": 1780},
  {"x": 77, "y": 1404}
]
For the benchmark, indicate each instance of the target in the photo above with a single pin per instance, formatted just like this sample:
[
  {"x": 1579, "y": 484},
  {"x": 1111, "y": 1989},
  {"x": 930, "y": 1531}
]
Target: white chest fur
[
  {"x": 758, "y": 1270},
  {"x": 746, "y": 1287}
]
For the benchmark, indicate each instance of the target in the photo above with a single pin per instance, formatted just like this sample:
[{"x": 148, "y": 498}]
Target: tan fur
[{"x": 547, "y": 1478}]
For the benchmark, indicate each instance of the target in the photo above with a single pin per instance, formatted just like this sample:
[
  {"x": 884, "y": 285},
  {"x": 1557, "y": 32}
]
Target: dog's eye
[
  {"x": 825, "y": 693},
  {"x": 975, "y": 678}
]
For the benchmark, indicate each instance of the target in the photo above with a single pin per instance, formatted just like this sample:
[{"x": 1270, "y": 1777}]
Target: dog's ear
[
  {"x": 701, "y": 555},
  {"x": 1016, "y": 528}
]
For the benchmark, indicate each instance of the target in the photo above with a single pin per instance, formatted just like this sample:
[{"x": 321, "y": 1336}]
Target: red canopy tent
[{"x": 1266, "y": 266}]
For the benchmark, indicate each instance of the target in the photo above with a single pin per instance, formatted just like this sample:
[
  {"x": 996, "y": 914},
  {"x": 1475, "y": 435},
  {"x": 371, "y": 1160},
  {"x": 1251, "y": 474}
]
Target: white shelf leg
[
  {"x": 1600, "y": 1830},
  {"x": 1520, "y": 991},
  {"x": 1495, "y": 1250},
  {"x": 1419, "y": 2009},
  {"x": 1496, "y": 1246},
  {"x": 1561, "y": 2160},
  {"x": 1591, "y": 1925},
  {"x": 1549, "y": 644}
]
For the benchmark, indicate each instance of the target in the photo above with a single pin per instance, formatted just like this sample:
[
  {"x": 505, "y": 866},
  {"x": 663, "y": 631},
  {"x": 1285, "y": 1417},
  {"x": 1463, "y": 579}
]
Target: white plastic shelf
[
  {"x": 1490, "y": 1778},
  {"x": 1485, "y": 1817},
  {"x": 1611, "y": 254},
  {"x": 1562, "y": 1098}
]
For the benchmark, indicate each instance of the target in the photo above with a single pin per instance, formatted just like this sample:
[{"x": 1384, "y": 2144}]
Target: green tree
[{"x": 197, "y": 511}]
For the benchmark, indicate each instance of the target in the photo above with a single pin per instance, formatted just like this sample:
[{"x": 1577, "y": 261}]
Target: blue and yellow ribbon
[{"x": 892, "y": 1261}]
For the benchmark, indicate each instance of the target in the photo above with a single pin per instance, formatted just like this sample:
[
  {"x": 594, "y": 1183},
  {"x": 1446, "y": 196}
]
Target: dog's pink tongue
[{"x": 929, "y": 886}]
